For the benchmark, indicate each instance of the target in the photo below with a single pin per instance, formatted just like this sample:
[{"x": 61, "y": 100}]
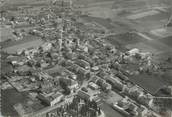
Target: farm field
[
  {"x": 6, "y": 33},
  {"x": 14, "y": 46}
]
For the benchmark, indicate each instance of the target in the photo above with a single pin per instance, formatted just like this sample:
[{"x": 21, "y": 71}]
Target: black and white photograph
[{"x": 86, "y": 58}]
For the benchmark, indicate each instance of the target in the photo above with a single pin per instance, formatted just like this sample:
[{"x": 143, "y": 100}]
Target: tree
[
  {"x": 99, "y": 111},
  {"x": 64, "y": 85},
  {"x": 38, "y": 64},
  {"x": 169, "y": 59},
  {"x": 94, "y": 105},
  {"x": 93, "y": 113},
  {"x": 49, "y": 55},
  {"x": 12, "y": 18},
  {"x": 83, "y": 110}
]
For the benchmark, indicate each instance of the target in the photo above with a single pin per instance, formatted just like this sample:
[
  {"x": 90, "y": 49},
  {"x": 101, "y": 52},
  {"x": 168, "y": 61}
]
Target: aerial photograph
[{"x": 86, "y": 58}]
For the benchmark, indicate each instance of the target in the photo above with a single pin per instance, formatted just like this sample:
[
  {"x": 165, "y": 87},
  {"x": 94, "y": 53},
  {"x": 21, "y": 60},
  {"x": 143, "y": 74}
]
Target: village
[{"x": 63, "y": 66}]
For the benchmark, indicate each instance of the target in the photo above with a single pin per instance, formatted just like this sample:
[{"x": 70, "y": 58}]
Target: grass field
[
  {"x": 162, "y": 32},
  {"x": 27, "y": 42},
  {"x": 167, "y": 41},
  {"x": 14, "y": 4},
  {"x": 5, "y": 33},
  {"x": 101, "y": 12},
  {"x": 114, "y": 26},
  {"x": 6, "y": 67},
  {"x": 89, "y": 2},
  {"x": 142, "y": 14},
  {"x": 10, "y": 97},
  {"x": 145, "y": 81},
  {"x": 126, "y": 38},
  {"x": 23, "y": 2},
  {"x": 13, "y": 43}
]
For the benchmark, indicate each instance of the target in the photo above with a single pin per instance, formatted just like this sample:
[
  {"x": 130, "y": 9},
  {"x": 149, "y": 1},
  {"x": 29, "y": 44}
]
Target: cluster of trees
[{"x": 64, "y": 85}]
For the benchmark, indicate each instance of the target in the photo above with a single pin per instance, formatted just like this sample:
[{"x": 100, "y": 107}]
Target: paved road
[{"x": 144, "y": 36}]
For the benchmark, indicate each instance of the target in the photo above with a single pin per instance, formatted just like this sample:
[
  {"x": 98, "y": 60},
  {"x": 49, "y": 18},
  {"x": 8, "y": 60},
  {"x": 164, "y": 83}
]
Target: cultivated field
[
  {"x": 13, "y": 47},
  {"x": 5, "y": 33}
]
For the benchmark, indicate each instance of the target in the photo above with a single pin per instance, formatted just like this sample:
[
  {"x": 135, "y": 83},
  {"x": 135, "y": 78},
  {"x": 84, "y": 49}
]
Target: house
[
  {"x": 93, "y": 86},
  {"x": 73, "y": 85},
  {"x": 73, "y": 68},
  {"x": 101, "y": 82},
  {"x": 116, "y": 83},
  {"x": 46, "y": 46},
  {"x": 144, "y": 99},
  {"x": 132, "y": 109},
  {"x": 95, "y": 78},
  {"x": 16, "y": 60},
  {"x": 30, "y": 51},
  {"x": 124, "y": 103},
  {"x": 83, "y": 95},
  {"x": 127, "y": 106},
  {"x": 83, "y": 72},
  {"x": 63, "y": 3},
  {"x": 46, "y": 85},
  {"x": 24, "y": 69},
  {"x": 70, "y": 74},
  {"x": 51, "y": 98},
  {"x": 102, "y": 74},
  {"x": 83, "y": 64},
  {"x": 95, "y": 69},
  {"x": 122, "y": 76},
  {"x": 133, "y": 52},
  {"x": 145, "y": 55},
  {"x": 166, "y": 90},
  {"x": 85, "y": 58},
  {"x": 66, "y": 63},
  {"x": 44, "y": 64},
  {"x": 104, "y": 85},
  {"x": 125, "y": 89},
  {"x": 107, "y": 86},
  {"x": 135, "y": 92}
]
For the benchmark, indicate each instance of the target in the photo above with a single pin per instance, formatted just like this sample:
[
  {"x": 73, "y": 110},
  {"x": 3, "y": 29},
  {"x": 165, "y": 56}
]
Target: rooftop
[{"x": 54, "y": 96}]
